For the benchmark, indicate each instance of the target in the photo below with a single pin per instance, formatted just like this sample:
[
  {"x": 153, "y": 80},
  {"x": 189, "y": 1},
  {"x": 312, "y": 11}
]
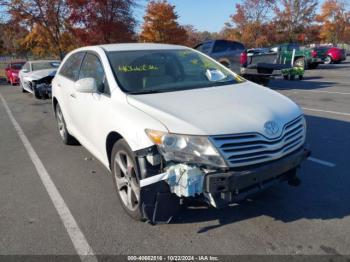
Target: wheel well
[
  {"x": 54, "y": 103},
  {"x": 225, "y": 63},
  {"x": 112, "y": 138}
]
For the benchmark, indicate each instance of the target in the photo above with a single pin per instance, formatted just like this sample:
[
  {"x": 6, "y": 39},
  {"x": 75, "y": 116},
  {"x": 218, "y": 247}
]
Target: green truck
[{"x": 303, "y": 57}]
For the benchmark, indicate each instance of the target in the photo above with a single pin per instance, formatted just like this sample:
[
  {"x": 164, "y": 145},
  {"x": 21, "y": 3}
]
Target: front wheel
[
  {"x": 67, "y": 138},
  {"x": 126, "y": 179}
]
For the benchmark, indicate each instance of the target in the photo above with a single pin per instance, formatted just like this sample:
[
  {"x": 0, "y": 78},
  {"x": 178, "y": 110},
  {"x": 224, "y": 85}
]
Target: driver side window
[{"x": 92, "y": 67}]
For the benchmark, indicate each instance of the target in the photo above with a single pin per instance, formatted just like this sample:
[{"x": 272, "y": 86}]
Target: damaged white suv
[{"x": 172, "y": 123}]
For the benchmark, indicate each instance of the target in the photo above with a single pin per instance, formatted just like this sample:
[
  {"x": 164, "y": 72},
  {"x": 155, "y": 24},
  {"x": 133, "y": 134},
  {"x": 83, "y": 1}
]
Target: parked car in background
[
  {"x": 12, "y": 70},
  {"x": 33, "y": 71},
  {"x": 229, "y": 54},
  {"x": 335, "y": 55},
  {"x": 171, "y": 123}
]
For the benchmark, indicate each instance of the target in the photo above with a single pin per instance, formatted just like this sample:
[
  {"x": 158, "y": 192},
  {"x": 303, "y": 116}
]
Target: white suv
[{"x": 170, "y": 123}]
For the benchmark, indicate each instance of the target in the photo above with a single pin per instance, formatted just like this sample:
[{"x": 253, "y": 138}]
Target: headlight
[{"x": 185, "y": 148}]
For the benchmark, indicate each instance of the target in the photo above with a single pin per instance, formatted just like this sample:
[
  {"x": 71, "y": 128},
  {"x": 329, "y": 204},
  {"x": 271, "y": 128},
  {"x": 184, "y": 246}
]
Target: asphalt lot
[{"x": 311, "y": 219}]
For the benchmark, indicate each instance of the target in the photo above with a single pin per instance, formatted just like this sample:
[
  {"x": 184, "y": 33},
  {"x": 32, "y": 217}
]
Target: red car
[
  {"x": 334, "y": 55},
  {"x": 12, "y": 71}
]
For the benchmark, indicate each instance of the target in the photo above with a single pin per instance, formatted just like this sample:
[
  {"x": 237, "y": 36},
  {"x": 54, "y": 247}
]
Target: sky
[{"x": 204, "y": 15}]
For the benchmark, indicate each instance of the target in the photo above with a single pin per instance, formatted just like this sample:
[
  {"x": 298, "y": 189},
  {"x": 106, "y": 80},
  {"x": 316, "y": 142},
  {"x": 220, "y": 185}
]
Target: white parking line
[
  {"x": 76, "y": 235},
  {"x": 322, "y": 162},
  {"x": 326, "y": 111}
]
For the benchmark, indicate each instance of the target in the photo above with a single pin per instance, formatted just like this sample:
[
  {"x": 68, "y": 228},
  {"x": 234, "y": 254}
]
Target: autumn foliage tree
[
  {"x": 160, "y": 24},
  {"x": 294, "y": 17},
  {"x": 249, "y": 22},
  {"x": 335, "y": 21},
  {"x": 45, "y": 15},
  {"x": 102, "y": 21}
]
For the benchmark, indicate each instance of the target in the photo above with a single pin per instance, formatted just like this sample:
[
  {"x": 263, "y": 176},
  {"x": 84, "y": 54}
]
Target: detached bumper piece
[
  {"x": 43, "y": 90},
  {"x": 233, "y": 186},
  {"x": 158, "y": 204}
]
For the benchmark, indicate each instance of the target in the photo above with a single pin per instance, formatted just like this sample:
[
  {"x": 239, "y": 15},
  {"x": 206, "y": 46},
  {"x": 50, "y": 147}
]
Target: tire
[
  {"x": 285, "y": 77},
  {"x": 300, "y": 62},
  {"x": 301, "y": 77},
  {"x": 126, "y": 179},
  {"x": 23, "y": 90},
  {"x": 292, "y": 77},
  {"x": 328, "y": 60},
  {"x": 67, "y": 138},
  {"x": 313, "y": 66}
]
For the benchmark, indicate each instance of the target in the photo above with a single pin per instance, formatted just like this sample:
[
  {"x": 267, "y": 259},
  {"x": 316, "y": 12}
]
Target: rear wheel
[
  {"x": 328, "y": 60},
  {"x": 67, "y": 138},
  {"x": 126, "y": 179},
  {"x": 300, "y": 62}
]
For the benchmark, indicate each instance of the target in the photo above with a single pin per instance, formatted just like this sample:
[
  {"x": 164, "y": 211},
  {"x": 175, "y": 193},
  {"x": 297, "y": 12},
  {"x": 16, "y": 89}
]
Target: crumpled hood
[
  {"x": 230, "y": 109},
  {"x": 36, "y": 75}
]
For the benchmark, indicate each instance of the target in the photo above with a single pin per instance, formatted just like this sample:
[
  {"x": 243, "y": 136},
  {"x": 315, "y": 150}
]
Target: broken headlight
[{"x": 186, "y": 148}]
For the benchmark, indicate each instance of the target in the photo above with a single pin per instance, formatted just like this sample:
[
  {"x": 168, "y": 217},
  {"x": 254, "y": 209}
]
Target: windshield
[
  {"x": 45, "y": 65},
  {"x": 17, "y": 66},
  {"x": 153, "y": 71}
]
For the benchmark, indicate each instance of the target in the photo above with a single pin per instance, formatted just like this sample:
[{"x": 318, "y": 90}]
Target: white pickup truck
[{"x": 170, "y": 123}]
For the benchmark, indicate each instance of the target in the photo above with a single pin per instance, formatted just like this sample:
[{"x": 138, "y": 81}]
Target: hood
[
  {"x": 36, "y": 75},
  {"x": 14, "y": 71},
  {"x": 230, "y": 109}
]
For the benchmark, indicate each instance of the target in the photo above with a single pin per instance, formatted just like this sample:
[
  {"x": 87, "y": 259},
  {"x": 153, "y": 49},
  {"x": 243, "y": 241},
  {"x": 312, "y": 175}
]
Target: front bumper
[
  {"x": 234, "y": 186},
  {"x": 220, "y": 189}
]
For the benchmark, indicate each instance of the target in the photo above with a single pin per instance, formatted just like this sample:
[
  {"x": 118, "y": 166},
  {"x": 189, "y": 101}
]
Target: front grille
[{"x": 253, "y": 148}]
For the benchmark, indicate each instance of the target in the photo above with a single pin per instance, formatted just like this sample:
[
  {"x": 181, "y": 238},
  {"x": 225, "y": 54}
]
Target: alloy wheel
[
  {"x": 60, "y": 123},
  {"x": 126, "y": 180}
]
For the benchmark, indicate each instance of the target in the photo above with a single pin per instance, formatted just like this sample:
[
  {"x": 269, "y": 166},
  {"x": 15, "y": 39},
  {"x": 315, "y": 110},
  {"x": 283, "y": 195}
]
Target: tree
[
  {"x": 102, "y": 21},
  {"x": 294, "y": 18},
  {"x": 48, "y": 15},
  {"x": 40, "y": 44},
  {"x": 249, "y": 21},
  {"x": 10, "y": 38},
  {"x": 335, "y": 21},
  {"x": 160, "y": 24}
]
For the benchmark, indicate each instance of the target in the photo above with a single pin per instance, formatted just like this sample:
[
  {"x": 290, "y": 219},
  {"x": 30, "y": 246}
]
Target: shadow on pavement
[
  {"x": 323, "y": 194},
  {"x": 280, "y": 84}
]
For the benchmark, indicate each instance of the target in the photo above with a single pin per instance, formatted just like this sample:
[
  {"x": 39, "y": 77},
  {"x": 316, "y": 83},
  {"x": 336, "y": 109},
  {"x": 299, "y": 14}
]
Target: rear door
[{"x": 65, "y": 88}]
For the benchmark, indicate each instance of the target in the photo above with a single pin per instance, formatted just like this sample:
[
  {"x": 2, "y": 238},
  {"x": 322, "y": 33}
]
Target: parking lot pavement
[{"x": 311, "y": 219}]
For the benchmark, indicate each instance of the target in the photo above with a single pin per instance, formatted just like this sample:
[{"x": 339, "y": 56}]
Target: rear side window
[
  {"x": 220, "y": 46},
  {"x": 235, "y": 46},
  {"x": 71, "y": 67},
  {"x": 204, "y": 48}
]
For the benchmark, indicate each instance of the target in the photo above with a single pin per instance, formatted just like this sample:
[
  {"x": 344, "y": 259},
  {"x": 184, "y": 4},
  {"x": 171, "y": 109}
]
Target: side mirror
[{"x": 86, "y": 85}]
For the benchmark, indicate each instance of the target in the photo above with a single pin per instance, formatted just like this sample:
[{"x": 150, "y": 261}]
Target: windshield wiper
[{"x": 151, "y": 91}]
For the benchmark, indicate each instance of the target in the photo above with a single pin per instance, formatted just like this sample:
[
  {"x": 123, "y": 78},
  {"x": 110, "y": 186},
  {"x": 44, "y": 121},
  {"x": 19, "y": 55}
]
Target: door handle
[{"x": 73, "y": 95}]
